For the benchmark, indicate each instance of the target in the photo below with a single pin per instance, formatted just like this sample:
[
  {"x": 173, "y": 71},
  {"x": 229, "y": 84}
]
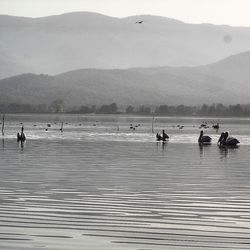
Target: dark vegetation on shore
[{"x": 180, "y": 110}]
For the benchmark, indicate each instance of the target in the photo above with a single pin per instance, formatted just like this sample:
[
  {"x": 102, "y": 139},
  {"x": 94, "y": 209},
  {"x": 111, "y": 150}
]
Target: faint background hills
[
  {"x": 57, "y": 44},
  {"x": 226, "y": 81}
]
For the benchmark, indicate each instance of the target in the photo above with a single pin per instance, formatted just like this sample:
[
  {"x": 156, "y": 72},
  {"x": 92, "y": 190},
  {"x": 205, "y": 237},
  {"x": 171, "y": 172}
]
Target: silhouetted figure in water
[
  {"x": 21, "y": 137},
  {"x": 61, "y": 129},
  {"x": 224, "y": 140},
  {"x": 139, "y": 22},
  {"x": 204, "y": 139},
  {"x": 162, "y": 137},
  {"x": 158, "y": 137},
  {"x": 216, "y": 126}
]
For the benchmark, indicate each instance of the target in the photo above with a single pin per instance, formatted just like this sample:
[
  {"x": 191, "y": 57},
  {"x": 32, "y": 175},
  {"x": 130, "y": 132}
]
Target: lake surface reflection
[{"x": 101, "y": 185}]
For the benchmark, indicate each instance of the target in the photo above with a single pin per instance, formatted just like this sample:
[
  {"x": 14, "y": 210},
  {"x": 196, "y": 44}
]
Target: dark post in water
[{"x": 3, "y": 125}]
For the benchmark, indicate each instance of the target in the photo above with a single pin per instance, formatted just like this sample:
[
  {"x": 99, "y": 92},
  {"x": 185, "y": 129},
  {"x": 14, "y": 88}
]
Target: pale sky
[{"x": 231, "y": 12}]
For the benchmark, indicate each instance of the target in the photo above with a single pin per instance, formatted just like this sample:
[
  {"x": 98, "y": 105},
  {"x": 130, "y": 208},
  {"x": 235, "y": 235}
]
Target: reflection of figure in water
[
  {"x": 21, "y": 137},
  {"x": 163, "y": 144},
  {"x": 201, "y": 149},
  {"x": 223, "y": 151},
  {"x": 21, "y": 144},
  {"x": 3, "y": 143},
  {"x": 162, "y": 137}
]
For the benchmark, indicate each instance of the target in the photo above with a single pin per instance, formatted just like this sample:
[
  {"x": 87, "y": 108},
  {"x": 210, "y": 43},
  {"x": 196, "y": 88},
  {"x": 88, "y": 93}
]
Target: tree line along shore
[{"x": 58, "y": 106}]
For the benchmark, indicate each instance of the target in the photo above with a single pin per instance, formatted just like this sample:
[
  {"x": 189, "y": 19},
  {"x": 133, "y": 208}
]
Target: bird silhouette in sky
[{"x": 140, "y": 22}]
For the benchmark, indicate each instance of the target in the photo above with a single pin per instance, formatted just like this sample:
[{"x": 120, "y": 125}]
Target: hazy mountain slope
[
  {"x": 234, "y": 68},
  {"x": 89, "y": 40},
  {"x": 169, "y": 85}
]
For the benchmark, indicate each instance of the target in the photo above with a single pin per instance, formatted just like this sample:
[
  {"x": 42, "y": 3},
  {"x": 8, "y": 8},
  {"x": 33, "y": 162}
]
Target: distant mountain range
[
  {"x": 227, "y": 82},
  {"x": 71, "y": 41}
]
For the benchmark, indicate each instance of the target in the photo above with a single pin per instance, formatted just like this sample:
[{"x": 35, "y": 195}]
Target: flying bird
[{"x": 140, "y": 22}]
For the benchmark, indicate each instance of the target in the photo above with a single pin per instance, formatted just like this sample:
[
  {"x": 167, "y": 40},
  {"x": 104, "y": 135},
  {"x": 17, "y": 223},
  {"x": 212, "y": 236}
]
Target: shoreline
[{"x": 129, "y": 115}]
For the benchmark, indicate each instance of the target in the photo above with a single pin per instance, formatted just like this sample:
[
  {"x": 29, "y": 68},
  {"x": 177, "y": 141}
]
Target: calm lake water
[{"x": 101, "y": 185}]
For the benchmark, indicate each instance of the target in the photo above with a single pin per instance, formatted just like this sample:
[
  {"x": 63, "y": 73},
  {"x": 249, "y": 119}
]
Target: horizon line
[{"x": 124, "y": 17}]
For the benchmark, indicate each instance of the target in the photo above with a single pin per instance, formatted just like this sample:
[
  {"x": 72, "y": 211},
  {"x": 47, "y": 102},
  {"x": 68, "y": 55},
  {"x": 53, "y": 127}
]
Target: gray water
[{"x": 101, "y": 185}]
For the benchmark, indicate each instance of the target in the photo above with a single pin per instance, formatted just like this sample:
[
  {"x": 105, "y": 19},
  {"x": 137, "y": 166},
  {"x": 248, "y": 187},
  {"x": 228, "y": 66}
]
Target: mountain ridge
[
  {"x": 61, "y": 43},
  {"x": 135, "y": 86}
]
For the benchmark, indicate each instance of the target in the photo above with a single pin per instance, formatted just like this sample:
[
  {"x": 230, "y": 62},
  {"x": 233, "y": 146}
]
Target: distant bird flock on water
[{"x": 224, "y": 140}]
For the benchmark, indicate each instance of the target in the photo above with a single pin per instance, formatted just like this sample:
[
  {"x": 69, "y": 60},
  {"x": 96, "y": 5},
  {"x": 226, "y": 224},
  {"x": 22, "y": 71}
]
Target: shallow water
[{"x": 101, "y": 185}]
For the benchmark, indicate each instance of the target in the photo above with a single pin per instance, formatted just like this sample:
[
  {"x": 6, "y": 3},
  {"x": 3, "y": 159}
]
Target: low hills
[{"x": 226, "y": 81}]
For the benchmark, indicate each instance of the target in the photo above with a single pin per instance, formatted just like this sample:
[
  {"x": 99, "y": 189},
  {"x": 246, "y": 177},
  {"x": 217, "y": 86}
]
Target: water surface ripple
[{"x": 99, "y": 185}]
